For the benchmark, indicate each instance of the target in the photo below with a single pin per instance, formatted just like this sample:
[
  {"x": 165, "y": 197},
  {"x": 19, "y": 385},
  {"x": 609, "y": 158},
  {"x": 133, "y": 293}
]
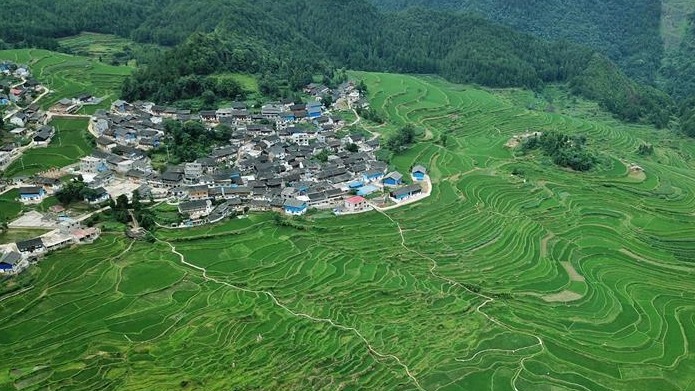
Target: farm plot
[
  {"x": 9, "y": 206},
  {"x": 548, "y": 279},
  {"x": 105, "y": 47},
  {"x": 70, "y": 143},
  {"x": 68, "y": 76}
]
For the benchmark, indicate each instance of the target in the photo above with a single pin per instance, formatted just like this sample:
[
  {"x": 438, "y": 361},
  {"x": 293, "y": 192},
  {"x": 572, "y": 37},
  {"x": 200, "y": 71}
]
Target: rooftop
[{"x": 355, "y": 200}]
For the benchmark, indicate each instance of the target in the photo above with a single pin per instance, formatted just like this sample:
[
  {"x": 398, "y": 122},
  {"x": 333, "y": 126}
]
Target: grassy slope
[
  {"x": 67, "y": 147},
  {"x": 68, "y": 76},
  {"x": 9, "y": 206},
  {"x": 629, "y": 242},
  {"x": 104, "y": 46}
]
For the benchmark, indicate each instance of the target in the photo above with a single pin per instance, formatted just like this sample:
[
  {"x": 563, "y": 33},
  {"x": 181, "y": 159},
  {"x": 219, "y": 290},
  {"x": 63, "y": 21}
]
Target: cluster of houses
[
  {"x": 70, "y": 106},
  {"x": 270, "y": 162},
  {"x": 28, "y": 125},
  {"x": 16, "y": 78},
  {"x": 15, "y": 257},
  {"x": 347, "y": 91}
]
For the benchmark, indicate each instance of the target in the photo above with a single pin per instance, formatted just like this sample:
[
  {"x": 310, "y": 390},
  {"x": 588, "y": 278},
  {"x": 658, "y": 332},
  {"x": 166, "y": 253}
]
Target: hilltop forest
[
  {"x": 287, "y": 44},
  {"x": 626, "y": 31}
]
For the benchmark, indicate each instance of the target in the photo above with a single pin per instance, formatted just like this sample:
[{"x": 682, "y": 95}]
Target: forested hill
[
  {"x": 290, "y": 41},
  {"x": 38, "y": 22},
  {"x": 626, "y": 31}
]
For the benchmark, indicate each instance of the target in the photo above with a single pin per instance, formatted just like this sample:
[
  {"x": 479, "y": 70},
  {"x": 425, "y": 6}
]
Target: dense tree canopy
[
  {"x": 565, "y": 151},
  {"x": 626, "y": 31}
]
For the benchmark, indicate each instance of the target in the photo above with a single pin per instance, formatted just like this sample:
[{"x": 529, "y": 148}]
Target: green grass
[
  {"x": 9, "y": 206},
  {"x": 69, "y": 76},
  {"x": 248, "y": 83},
  {"x": 99, "y": 46},
  {"x": 68, "y": 145},
  {"x": 14, "y": 235},
  {"x": 461, "y": 305}
]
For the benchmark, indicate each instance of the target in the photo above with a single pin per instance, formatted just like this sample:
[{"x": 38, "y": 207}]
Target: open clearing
[{"x": 446, "y": 294}]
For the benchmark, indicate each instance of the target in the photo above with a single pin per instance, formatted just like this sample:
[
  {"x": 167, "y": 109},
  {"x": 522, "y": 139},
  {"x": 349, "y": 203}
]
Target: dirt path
[
  {"x": 30, "y": 145},
  {"x": 298, "y": 314},
  {"x": 486, "y": 300}
]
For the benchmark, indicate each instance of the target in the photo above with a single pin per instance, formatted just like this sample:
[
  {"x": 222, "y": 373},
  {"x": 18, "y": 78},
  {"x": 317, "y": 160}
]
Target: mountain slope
[
  {"x": 627, "y": 31},
  {"x": 287, "y": 43}
]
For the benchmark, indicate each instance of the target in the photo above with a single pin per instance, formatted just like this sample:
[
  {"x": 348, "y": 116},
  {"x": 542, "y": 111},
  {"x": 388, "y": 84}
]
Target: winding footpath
[
  {"x": 299, "y": 314},
  {"x": 486, "y": 300}
]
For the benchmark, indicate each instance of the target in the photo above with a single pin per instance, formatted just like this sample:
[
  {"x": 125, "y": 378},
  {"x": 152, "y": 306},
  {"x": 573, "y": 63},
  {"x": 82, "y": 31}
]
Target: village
[{"x": 287, "y": 156}]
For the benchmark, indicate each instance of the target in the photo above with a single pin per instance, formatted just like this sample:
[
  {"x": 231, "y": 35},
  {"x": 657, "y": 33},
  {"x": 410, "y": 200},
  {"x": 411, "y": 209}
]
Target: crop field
[
  {"x": 69, "y": 144},
  {"x": 104, "y": 46},
  {"x": 9, "y": 206},
  {"x": 69, "y": 76},
  {"x": 550, "y": 280}
]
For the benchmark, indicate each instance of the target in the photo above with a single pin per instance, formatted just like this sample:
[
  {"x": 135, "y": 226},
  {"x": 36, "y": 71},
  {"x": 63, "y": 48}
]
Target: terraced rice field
[
  {"x": 69, "y": 144},
  {"x": 69, "y": 76},
  {"x": 553, "y": 281},
  {"x": 99, "y": 46}
]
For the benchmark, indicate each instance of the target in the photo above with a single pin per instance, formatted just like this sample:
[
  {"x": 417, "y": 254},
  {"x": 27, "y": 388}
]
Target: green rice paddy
[
  {"x": 9, "y": 206},
  {"x": 99, "y": 46},
  {"x": 70, "y": 143},
  {"x": 68, "y": 76},
  {"x": 553, "y": 280}
]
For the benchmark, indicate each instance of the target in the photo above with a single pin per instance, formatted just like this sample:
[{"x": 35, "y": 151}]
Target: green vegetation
[
  {"x": 69, "y": 76},
  {"x": 9, "y": 206},
  {"x": 257, "y": 38},
  {"x": 13, "y": 235},
  {"x": 603, "y": 82},
  {"x": 190, "y": 140},
  {"x": 400, "y": 140},
  {"x": 627, "y": 31},
  {"x": 679, "y": 76},
  {"x": 248, "y": 83},
  {"x": 107, "y": 48},
  {"x": 40, "y": 22},
  {"x": 74, "y": 191},
  {"x": 70, "y": 143},
  {"x": 645, "y": 149},
  {"x": 555, "y": 280},
  {"x": 565, "y": 151},
  {"x": 193, "y": 69}
]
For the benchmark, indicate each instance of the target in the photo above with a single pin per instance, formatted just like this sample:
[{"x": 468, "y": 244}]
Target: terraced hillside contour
[
  {"x": 543, "y": 280},
  {"x": 69, "y": 76}
]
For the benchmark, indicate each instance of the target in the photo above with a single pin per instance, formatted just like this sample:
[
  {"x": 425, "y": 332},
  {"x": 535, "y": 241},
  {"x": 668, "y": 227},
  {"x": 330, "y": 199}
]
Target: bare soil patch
[
  {"x": 574, "y": 276},
  {"x": 564, "y": 296}
]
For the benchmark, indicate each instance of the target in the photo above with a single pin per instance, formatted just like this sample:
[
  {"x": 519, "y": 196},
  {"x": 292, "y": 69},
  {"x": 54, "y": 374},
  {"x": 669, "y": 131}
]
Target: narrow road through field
[
  {"x": 486, "y": 300},
  {"x": 298, "y": 314}
]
